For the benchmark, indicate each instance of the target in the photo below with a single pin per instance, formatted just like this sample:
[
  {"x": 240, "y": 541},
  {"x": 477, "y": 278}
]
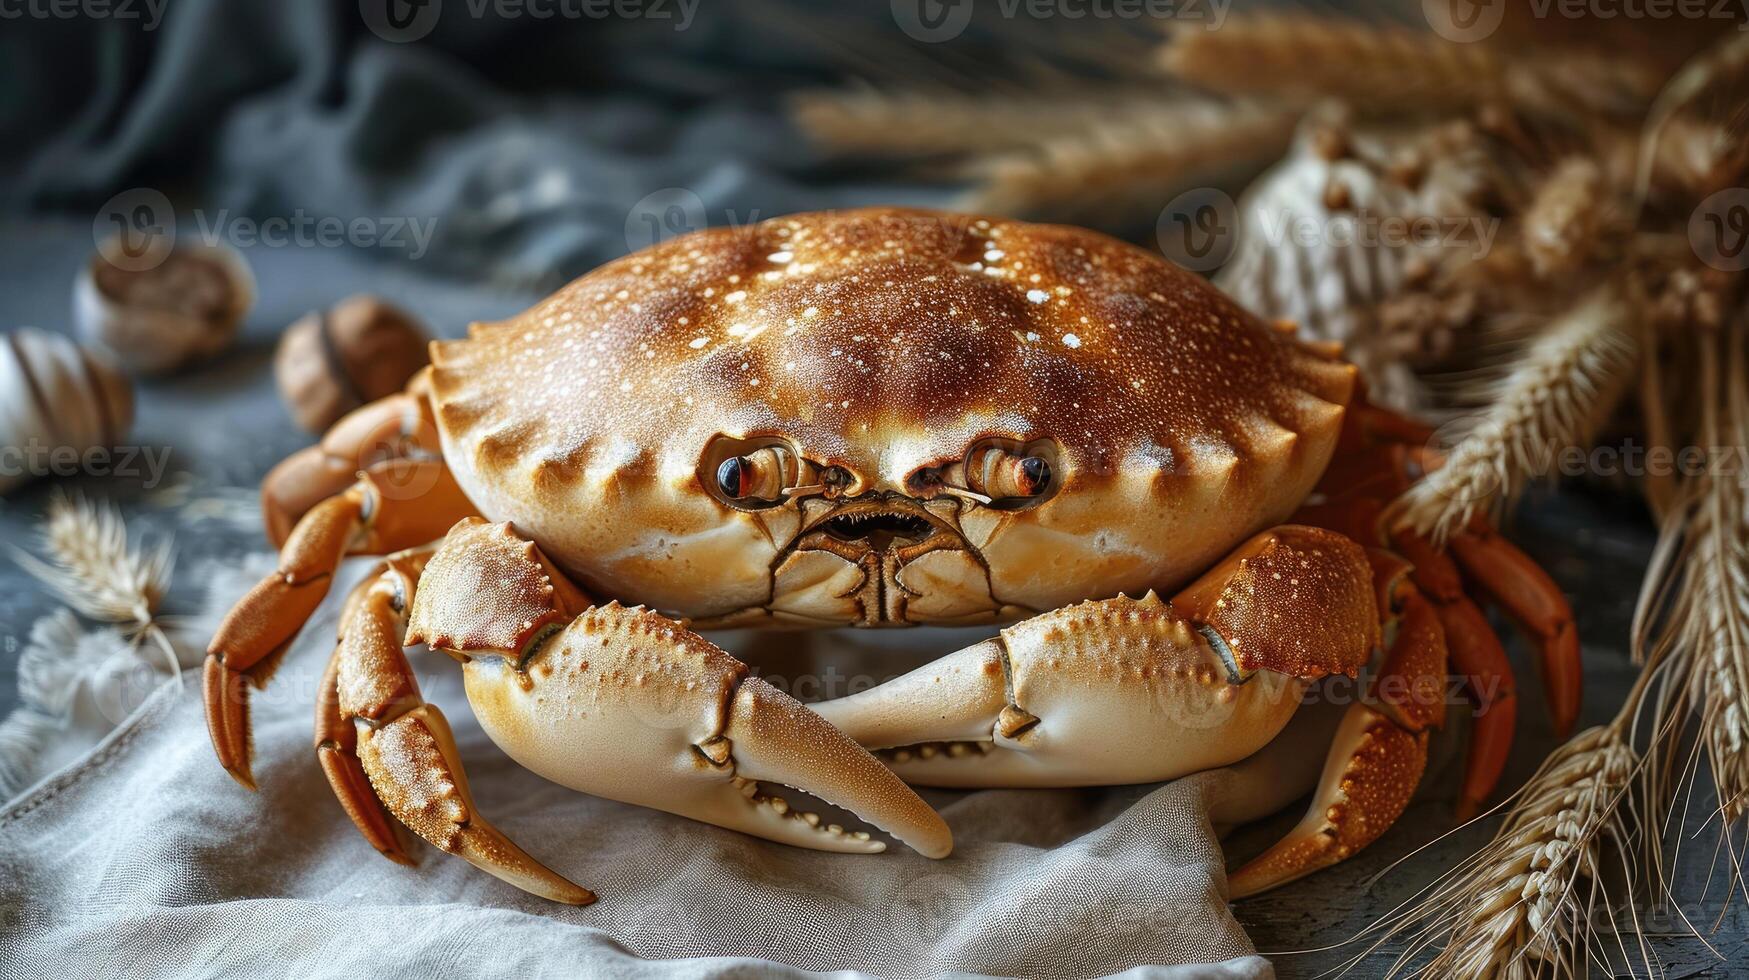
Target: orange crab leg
[
  {"x": 382, "y": 436},
  {"x": 387, "y": 752},
  {"x": 336, "y": 739},
  {"x": 1516, "y": 583},
  {"x": 1477, "y": 656},
  {"x": 373, "y": 517},
  {"x": 1375, "y": 761}
]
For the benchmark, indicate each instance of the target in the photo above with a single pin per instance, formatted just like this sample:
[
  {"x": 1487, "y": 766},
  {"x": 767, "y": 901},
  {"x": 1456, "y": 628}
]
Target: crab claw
[
  {"x": 629, "y": 705},
  {"x": 1101, "y": 693}
]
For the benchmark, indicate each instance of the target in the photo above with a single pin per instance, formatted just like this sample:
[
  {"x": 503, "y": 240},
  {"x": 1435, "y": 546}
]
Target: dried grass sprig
[
  {"x": 94, "y": 568},
  {"x": 1567, "y": 381},
  {"x": 1302, "y": 58},
  {"x": 1140, "y": 163}
]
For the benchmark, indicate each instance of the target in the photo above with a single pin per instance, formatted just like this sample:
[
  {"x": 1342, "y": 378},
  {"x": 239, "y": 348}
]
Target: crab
[{"x": 1177, "y": 517}]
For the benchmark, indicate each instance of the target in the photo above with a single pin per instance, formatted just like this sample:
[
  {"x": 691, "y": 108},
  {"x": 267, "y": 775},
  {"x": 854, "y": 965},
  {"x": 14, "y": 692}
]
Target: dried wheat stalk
[
  {"x": 1566, "y": 382},
  {"x": 93, "y": 568},
  {"x": 1702, "y": 591},
  {"x": 1300, "y": 58},
  {"x": 1560, "y": 227},
  {"x": 929, "y": 122},
  {"x": 1522, "y": 906},
  {"x": 1137, "y": 164}
]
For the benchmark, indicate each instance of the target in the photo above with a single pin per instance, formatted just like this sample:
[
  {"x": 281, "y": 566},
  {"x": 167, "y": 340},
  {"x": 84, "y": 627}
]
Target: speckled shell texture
[{"x": 884, "y": 341}]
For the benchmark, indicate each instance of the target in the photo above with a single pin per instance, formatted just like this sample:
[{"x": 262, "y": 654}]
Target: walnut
[
  {"x": 158, "y": 316},
  {"x": 332, "y": 362}
]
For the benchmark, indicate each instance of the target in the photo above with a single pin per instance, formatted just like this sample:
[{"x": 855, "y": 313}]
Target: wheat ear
[
  {"x": 920, "y": 122},
  {"x": 1139, "y": 163},
  {"x": 1299, "y": 58},
  {"x": 1566, "y": 383},
  {"x": 93, "y": 568},
  {"x": 1701, "y": 614},
  {"x": 1521, "y": 906}
]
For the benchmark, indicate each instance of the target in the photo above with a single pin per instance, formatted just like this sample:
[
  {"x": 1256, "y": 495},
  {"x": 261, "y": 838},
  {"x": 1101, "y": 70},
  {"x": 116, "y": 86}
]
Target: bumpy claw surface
[
  {"x": 413, "y": 766},
  {"x": 1371, "y": 774},
  {"x": 1131, "y": 691},
  {"x": 1100, "y": 693},
  {"x": 632, "y": 706},
  {"x": 629, "y": 705},
  {"x": 387, "y": 752},
  {"x": 1378, "y": 754}
]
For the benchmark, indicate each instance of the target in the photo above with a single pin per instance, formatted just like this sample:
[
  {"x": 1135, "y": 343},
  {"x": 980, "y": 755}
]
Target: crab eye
[
  {"x": 1010, "y": 476},
  {"x": 732, "y": 476},
  {"x": 757, "y": 478}
]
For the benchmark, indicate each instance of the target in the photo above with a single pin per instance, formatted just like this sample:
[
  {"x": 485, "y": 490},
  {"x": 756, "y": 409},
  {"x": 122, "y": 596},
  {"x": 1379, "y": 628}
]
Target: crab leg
[
  {"x": 1127, "y": 691},
  {"x": 1478, "y": 657},
  {"x": 1375, "y": 761},
  {"x": 400, "y": 758},
  {"x": 378, "y": 514},
  {"x": 630, "y": 705},
  {"x": 1514, "y": 582},
  {"x": 383, "y": 436}
]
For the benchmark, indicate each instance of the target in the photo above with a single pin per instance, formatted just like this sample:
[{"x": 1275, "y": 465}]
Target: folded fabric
[{"x": 145, "y": 859}]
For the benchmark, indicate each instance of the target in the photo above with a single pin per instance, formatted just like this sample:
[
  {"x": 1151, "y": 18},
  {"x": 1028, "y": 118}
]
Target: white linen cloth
[{"x": 144, "y": 859}]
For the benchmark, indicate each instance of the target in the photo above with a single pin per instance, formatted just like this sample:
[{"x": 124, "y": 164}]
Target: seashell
[
  {"x": 58, "y": 401},
  {"x": 330, "y": 363},
  {"x": 167, "y": 311}
]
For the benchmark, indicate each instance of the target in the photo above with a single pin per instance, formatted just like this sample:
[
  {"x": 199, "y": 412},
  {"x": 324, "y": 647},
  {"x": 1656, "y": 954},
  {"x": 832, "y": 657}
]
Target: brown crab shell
[{"x": 884, "y": 341}]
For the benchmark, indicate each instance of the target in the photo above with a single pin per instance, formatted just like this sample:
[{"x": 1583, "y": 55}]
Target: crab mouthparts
[{"x": 878, "y": 528}]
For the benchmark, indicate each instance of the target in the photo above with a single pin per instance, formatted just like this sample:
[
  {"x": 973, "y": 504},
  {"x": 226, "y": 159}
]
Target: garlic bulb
[{"x": 60, "y": 405}]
